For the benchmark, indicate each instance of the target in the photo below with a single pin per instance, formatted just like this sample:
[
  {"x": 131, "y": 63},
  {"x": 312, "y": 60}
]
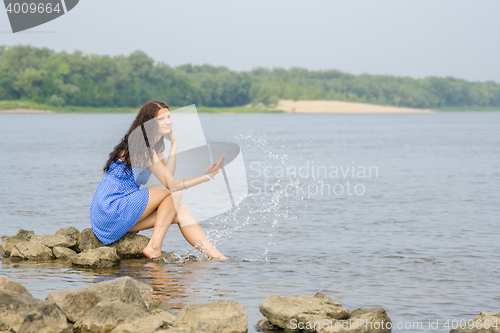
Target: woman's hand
[
  {"x": 170, "y": 136},
  {"x": 215, "y": 168}
]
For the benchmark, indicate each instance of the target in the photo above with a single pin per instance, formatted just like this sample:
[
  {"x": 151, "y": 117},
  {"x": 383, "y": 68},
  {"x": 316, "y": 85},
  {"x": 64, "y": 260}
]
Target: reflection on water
[{"x": 420, "y": 242}]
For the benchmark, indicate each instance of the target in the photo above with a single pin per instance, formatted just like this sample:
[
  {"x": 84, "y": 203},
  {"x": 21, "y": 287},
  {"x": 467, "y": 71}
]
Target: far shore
[
  {"x": 303, "y": 106},
  {"x": 26, "y": 111}
]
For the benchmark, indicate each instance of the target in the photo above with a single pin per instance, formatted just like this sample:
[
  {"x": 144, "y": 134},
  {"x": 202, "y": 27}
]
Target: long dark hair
[{"x": 142, "y": 157}]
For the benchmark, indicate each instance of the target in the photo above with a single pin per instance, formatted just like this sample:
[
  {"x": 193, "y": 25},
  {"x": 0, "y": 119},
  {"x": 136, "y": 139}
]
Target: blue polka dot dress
[{"x": 118, "y": 202}]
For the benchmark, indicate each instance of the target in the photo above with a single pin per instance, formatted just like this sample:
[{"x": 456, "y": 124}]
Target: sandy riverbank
[
  {"x": 302, "y": 106},
  {"x": 25, "y": 111}
]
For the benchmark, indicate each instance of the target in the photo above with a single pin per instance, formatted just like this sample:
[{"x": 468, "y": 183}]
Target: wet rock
[
  {"x": 117, "y": 317},
  {"x": 22, "y": 313},
  {"x": 319, "y": 313},
  {"x": 280, "y": 310},
  {"x": 88, "y": 241},
  {"x": 8, "y": 284},
  {"x": 63, "y": 253},
  {"x": 219, "y": 316},
  {"x": 102, "y": 257},
  {"x": 31, "y": 251},
  {"x": 76, "y": 303},
  {"x": 130, "y": 245},
  {"x": 169, "y": 258},
  {"x": 483, "y": 323},
  {"x": 53, "y": 240},
  {"x": 70, "y": 232},
  {"x": 8, "y": 242},
  {"x": 265, "y": 325}
]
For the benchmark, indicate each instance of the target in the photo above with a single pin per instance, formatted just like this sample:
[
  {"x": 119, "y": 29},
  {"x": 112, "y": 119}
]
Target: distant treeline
[{"x": 44, "y": 76}]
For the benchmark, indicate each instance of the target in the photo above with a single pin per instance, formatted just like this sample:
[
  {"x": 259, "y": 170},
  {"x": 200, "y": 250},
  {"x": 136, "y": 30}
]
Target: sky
[{"x": 414, "y": 38}]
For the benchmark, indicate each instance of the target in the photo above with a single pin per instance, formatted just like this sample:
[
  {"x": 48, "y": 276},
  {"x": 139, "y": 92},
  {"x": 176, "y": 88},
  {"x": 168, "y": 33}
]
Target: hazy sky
[{"x": 414, "y": 38}]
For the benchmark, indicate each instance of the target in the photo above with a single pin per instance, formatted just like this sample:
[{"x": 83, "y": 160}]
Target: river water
[{"x": 413, "y": 229}]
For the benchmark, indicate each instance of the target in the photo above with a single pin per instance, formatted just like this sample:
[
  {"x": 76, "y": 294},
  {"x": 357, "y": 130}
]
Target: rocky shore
[{"x": 127, "y": 305}]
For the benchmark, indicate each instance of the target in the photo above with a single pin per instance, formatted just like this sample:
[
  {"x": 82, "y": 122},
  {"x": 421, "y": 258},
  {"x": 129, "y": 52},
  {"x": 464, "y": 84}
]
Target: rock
[
  {"x": 70, "y": 232},
  {"x": 266, "y": 325},
  {"x": 483, "y": 323},
  {"x": 117, "y": 317},
  {"x": 88, "y": 241},
  {"x": 371, "y": 318},
  {"x": 169, "y": 258},
  {"x": 280, "y": 310},
  {"x": 75, "y": 303},
  {"x": 8, "y": 284},
  {"x": 102, "y": 257},
  {"x": 167, "y": 317},
  {"x": 130, "y": 245},
  {"x": 22, "y": 313},
  {"x": 160, "y": 305},
  {"x": 8, "y": 242},
  {"x": 63, "y": 253},
  {"x": 31, "y": 251},
  {"x": 219, "y": 316},
  {"x": 53, "y": 241},
  {"x": 2, "y": 251}
]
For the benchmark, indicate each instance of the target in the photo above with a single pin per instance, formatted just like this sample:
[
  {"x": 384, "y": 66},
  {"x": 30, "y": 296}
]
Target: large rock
[
  {"x": 88, "y": 241},
  {"x": 129, "y": 246},
  {"x": 319, "y": 313},
  {"x": 281, "y": 310},
  {"x": 63, "y": 253},
  {"x": 70, "y": 232},
  {"x": 484, "y": 322},
  {"x": 22, "y": 313},
  {"x": 181, "y": 330},
  {"x": 219, "y": 316},
  {"x": 8, "y": 284},
  {"x": 31, "y": 251},
  {"x": 53, "y": 240},
  {"x": 8, "y": 242},
  {"x": 117, "y": 317},
  {"x": 76, "y": 303},
  {"x": 102, "y": 257}
]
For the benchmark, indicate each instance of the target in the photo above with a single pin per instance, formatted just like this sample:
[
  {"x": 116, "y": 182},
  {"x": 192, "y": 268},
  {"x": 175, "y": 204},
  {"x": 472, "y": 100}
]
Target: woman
[{"x": 119, "y": 206}]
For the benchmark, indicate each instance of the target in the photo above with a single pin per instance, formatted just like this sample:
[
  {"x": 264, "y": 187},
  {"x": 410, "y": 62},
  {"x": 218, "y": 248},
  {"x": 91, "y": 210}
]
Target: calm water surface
[{"x": 417, "y": 236}]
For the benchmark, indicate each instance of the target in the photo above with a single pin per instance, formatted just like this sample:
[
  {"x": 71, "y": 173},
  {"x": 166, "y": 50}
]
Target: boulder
[
  {"x": 2, "y": 252},
  {"x": 131, "y": 245},
  {"x": 53, "y": 240},
  {"x": 20, "y": 312},
  {"x": 8, "y": 284},
  {"x": 8, "y": 242},
  {"x": 88, "y": 241},
  {"x": 117, "y": 317},
  {"x": 319, "y": 313},
  {"x": 63, "y": 253},
  {"x": 70, "y": 232},
  {"x": 219, "y": 316},
  {"x": 280, "y": 310},
  {"x": 483, "y": 323},
  {"x": 102, "y": 257},
  {"x": 28, "y": 250},
  {"x": 76, "y": 303}
]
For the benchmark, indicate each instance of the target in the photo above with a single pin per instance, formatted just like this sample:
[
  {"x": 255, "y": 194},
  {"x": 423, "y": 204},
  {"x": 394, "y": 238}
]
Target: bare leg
[
  {"x": 159, "y": 218},
  {"x": 194, "y": 233}
]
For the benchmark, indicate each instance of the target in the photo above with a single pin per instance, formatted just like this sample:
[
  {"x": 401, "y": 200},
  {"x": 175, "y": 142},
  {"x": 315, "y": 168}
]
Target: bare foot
[{"x": 151, "y": 253}]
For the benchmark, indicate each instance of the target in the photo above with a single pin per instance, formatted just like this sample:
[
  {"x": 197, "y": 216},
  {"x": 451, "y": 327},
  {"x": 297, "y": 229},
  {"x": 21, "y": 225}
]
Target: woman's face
[{"x": 164, "y": 122}]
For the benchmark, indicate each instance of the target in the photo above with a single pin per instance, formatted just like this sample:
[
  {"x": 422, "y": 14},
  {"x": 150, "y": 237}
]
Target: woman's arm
[
  {"x": 161, "y": 172},
  {"x": 171, "y": 161}
]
